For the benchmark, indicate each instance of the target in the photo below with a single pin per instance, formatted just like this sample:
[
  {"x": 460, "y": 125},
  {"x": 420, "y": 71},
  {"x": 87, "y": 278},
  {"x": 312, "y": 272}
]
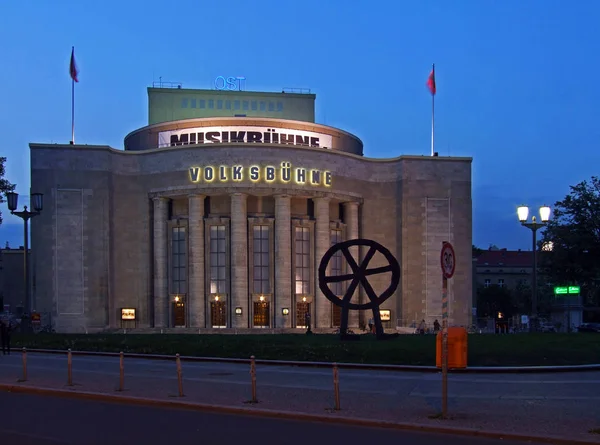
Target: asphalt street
[
  {"x": 558, "y": 387},
  {"x": 43, "y": 420}
]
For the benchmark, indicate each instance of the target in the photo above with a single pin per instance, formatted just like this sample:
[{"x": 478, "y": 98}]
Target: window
[
  {"x": 219, "y": 104},
  {"x": 302, "y": 237},
  {"x": 211, "y": 103},
  {"x": 184, "y": 103},
  {"x": 261, "y": 260},
  {"x": 217, "y": 260},
  {"x": 487, "y": 282},
  {"x": 263, "y": 106},
  {"x": 178, "y": 261},
  {"x": 245, "y": 105},
  {"x": 193, "y": 103},
  {"x": 271, "y": 106},
  {"x": 336, "y": 263},
  {"x": 236, "y": 104},
  {"x": 501, "y": 282},
  {"x": 254, "y": 105},
  {"x": 228, "y": 105},
  {"x": 202, "y": 103},
  {"x": 279, "y": 106}
]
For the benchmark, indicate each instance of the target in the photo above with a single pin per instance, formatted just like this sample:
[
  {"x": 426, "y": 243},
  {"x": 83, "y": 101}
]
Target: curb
[
  {"x": 288, "y": 415},
  {"x": 362, "y": 366}
]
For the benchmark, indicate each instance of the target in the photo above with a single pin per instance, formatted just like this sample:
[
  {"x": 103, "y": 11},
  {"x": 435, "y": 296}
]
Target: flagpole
[
  {"x": 433, "y": 112},
  {"x": 72, "y": 111}
]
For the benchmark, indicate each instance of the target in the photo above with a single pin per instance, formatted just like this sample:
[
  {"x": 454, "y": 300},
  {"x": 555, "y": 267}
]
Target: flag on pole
[
  {"x": 73, "y": 67},
  {"x": 431, "y": 82}
]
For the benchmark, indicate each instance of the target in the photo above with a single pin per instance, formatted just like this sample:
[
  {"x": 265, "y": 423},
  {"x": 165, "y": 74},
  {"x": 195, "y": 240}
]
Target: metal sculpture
[{"x": 359, "y": 276}]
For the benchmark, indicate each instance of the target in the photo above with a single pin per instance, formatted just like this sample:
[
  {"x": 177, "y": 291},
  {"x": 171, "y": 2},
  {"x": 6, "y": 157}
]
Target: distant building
[
  {"x": 504, "y": 268},
  {"x": 12, "y": 291}
]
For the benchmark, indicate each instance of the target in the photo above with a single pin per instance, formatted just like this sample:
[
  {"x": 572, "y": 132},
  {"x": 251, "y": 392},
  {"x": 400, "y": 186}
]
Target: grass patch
[{"x": 483, "y": 350}]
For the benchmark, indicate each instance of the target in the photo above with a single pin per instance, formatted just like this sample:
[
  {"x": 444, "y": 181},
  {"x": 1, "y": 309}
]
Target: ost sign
[
  {"x": 236, "y": 134},
  {"x": 229, "y": 83},
  {"x": 283, "y": 174}
]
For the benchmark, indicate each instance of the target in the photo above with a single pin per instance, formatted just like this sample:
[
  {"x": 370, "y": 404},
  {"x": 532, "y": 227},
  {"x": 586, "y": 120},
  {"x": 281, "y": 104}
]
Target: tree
[
  {"x": 574, "y": 234},
  {"x": 5, "y": 186},
  {"x": 494, "y": 299}
]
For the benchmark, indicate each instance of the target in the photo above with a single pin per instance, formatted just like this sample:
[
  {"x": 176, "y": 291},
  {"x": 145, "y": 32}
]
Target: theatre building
[{"x": 217, "y": 213}]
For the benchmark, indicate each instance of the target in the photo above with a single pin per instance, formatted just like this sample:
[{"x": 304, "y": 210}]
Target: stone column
[
  {"x": 196, "y": 297},
  {"x": 239, "y": 261},
  {"x": 161, "y": 286},
  {"x": 351, "y": 220},
  {"x": 322, "y": 243},
  {"x": 283, "y": 261}
]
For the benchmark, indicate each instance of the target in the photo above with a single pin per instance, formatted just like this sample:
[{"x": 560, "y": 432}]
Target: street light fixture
[
  {"x": 534, "y": 226},
  {"x": 37, "y": 202}
]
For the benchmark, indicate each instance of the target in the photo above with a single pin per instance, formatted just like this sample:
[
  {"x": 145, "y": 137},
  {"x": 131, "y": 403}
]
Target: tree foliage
[
  {"x": 5, "y": 186},
  {"x": 574, "y": 233}
]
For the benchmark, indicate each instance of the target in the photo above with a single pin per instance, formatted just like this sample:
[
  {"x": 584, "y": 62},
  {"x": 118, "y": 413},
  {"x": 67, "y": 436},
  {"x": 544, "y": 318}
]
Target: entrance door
[
  {"x": 261, "y": 314},
  {"x": 218, "y": 315},
  {"x": 179, "y": 313},
  {"x": 301, "y": 310},
  {"x": 336, "y": 315}
]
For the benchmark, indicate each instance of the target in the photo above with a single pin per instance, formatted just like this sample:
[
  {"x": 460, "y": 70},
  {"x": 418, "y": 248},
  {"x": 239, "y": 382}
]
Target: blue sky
[{"x": 516, "y": 81}]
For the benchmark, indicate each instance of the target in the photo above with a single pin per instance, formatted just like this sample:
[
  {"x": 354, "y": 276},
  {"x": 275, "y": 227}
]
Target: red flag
[
  {"x": 431, "y": 82},
  {"x": 72, "y": 67}
]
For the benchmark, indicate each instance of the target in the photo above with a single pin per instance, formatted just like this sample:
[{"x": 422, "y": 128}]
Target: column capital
[
  {"x": 321, "y": 199},
  {"x": 196, "y": 195},
  {"x": 351, "y": 204},
  {"x": 159, "y": 199}
]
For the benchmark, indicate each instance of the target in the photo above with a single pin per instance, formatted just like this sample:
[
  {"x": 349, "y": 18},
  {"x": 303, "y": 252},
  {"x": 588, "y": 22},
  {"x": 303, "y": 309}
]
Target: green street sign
[
  {"x": 564, "y": 290},
  {"x": 561, "y": 290}
]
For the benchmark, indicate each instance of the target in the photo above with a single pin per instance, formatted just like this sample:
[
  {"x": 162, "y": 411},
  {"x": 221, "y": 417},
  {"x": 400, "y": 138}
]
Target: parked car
[
  {"x": 547, "y": 327},
  {"x": 589, "y": 327}
]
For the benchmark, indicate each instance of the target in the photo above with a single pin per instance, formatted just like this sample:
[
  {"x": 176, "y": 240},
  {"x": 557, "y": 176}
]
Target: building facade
[{"x": 220, "y": 221}]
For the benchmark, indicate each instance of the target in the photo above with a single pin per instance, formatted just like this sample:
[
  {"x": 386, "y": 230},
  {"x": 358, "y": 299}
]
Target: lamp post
[
  {"x": 534, "y": 226},
  {"x": 37, "y": 202}
]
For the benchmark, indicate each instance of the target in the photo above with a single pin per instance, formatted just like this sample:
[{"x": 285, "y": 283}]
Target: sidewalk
[{"x": 550, "y": 405}]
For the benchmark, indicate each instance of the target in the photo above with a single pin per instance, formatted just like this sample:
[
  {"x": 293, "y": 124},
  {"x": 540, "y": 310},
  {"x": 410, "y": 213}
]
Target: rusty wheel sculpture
[{"x": 359, "y": 276}]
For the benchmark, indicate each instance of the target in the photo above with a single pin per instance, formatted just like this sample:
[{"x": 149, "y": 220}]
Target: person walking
[{"x": 5, "y": 336}]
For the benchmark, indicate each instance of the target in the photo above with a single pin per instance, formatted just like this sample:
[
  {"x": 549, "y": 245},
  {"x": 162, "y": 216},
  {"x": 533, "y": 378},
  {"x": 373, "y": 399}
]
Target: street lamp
[
  {"x": 534, "y": 225},
  {"x": 37, "y": 202}
]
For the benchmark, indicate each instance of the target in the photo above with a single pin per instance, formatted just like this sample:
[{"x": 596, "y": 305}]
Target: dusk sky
[{"x": 516, "y": 87}]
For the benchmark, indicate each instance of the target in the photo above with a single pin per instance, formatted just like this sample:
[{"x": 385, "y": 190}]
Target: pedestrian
[
  {"x": 422, "y": 327},
  {"x": 436, "y": 326},
  {"x": 371, "y": 324},
  {"x": 5, "y": 336}
]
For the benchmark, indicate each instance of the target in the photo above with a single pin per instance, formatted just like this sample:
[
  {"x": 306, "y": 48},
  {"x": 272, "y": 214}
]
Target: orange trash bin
[{"x": 457, "y": 348}]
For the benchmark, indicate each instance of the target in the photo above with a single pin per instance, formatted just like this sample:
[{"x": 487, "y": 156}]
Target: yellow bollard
[
  {"x": 24, "y": 365},
  {"x": 179, "y": 377},
  {"x": 336, "y": 386},
  {"x": 253, "y": 378},
  {"x": 70, "y": 367},
  {"x": 121, "y": 372}
]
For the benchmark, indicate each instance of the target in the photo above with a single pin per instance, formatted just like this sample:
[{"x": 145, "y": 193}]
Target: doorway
[
  {"x": 301, "y": 310},
  {"x": 261, "y": 314},
  {"x": 179, "y": 313},
  {"x": 218, "y": 314},
  {"x": 336, "y": 318}
]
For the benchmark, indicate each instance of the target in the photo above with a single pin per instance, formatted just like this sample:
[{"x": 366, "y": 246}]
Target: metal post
[
  {"x": 121, "y": 372},
  {"x": 253, "y": 378},
  {"x": 336, "y": 386},
  {"x": 179, "y": 377},
  {"x": 444, "y": 347},
  {"x": 26, "y": 268},
  {"x": 534, "y": 321},
  {"x": 69, "y": 367},
  {"x": 24, "y": 365}
]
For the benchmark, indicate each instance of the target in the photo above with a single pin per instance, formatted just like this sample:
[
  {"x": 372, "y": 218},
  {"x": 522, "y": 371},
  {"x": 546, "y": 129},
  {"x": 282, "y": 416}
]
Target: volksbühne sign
[
  {"x": 282, "y": 174},
  {"x": 243, "y": 135}
]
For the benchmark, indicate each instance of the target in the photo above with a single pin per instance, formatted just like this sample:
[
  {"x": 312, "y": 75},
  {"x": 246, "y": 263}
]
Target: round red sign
[{"x": 448, "y": 260}]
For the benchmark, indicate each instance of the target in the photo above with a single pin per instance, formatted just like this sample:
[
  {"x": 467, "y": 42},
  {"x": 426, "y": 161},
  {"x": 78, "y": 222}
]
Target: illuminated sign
[
  {"x": 229, "y": 83},
  {"x": 127, "y": 314},
  {"x": 385, "y": 314},
  {"x": 564, "y": 290},
  {"x": 254, "y": 173},
  {"x": 244, "y": 135}
]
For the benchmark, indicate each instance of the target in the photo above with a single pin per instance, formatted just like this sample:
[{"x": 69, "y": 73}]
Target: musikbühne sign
[{"x": 243, "y": 134}]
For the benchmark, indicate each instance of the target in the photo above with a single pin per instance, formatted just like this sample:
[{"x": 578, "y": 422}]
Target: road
[{"x": 44, "y": 420}]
